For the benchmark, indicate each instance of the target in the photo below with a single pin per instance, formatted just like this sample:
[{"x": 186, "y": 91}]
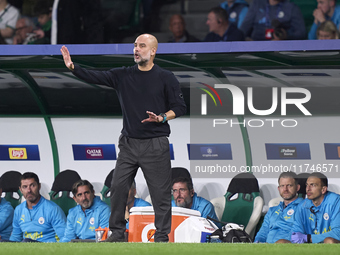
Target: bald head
[
  {"x": 153, "y": 43},
  {"x": 177, "y": 26},
  {"x": 176, "y": 17}
]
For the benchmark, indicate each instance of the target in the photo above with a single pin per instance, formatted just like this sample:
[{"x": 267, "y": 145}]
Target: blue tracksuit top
[
  {"x": 82, "y": 224},
  {"x": 237, "y": 12},
  {"x": 45, "y": 222},
  {"x": 138, "y": 203},
  {"x": 278, "y": 223},
  {"x": 326, "y": 218},
  {"x": 261, "y": 14},
  {"x": 202, "y": 205},
  {"x": 335, "y": 18},
  {"x": 6, "y": 218}
]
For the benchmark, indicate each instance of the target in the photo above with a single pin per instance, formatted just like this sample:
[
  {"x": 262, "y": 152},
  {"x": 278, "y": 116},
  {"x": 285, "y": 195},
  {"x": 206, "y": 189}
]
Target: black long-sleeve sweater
[{"x": 138, "y": 91}]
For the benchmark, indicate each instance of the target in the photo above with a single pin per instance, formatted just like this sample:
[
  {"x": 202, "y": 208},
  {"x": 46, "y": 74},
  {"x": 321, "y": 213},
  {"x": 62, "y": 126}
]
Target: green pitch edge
[{"x": 27, "y": 79}]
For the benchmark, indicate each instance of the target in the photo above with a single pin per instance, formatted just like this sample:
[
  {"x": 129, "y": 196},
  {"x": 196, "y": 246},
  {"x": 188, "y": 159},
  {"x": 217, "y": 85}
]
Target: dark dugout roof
[{"x": 35, "y": 82}]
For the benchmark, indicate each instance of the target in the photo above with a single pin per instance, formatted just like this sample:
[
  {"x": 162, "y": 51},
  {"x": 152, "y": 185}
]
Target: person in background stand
[
  {"x": 326, "y": 10},
  {"x": 273, "y": 20},
  {"x": 9, "y": 16},
  {"x": 221, "y": 30},
  {"x": 177, "y": 28},
  {"x": 43, "y": 10},
  {"x": 237, "y": 10},
  {"x": 24, "y": 31},
  {"x": 327, "y": 30}
]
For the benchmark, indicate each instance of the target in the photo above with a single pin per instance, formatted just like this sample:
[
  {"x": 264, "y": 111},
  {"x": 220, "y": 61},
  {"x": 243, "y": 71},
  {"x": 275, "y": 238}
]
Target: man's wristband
[{"x": 164, "y": 117}]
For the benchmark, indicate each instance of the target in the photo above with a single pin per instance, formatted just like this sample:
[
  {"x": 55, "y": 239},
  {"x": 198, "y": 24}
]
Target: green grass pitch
[{"x": 165, "y": 248}]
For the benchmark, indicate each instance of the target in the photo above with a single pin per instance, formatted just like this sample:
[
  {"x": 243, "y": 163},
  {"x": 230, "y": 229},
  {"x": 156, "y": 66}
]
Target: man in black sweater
[{"x": 143, "y": 90}]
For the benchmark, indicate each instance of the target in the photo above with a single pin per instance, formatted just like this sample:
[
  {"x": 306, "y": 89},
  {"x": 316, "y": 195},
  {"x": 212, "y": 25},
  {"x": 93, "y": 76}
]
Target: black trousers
[{"x": 153, "y": 157}]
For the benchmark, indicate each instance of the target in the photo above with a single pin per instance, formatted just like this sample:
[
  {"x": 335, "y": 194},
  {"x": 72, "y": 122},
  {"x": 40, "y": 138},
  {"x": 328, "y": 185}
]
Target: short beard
[
  {"x": 34, "y": 199},
  {"x": 184, "y": 204},
  {"x": 142, "y": 62},
  {"x": 89, "y": 204},
  {"x": 290, "y": 198}
]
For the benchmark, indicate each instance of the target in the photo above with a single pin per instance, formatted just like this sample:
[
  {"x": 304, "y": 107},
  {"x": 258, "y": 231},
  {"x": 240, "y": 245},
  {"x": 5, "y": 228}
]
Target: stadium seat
[
  {"x": 242, "y": 203},
  {"x": 148, "y": 199},
  {"x": 10, "y": 186},
  {"x": 61, "y": 189},
  {"x": 180, "y": 172},
  {"x": 106, "y": 188},
  {"x": 275, "y": 201}
]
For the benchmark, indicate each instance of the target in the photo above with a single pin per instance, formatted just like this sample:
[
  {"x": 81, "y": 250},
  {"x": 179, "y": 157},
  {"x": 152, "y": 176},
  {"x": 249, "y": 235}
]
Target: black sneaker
[{"x": 113, "y": 239}]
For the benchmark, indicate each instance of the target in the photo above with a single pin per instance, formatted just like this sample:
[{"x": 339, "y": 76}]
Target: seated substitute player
[
  {"x": 185, "y": 196},
  {"x": 90, "y": 213},
  {"x": 278, "y": 222},
  {"x": 318, "y": 216},
  {"x": 6, "y": 217},
  {"x": 36, "y": 219}
]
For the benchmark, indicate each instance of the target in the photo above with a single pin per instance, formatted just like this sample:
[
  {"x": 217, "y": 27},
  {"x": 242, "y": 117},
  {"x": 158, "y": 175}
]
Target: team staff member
[
  {"x": 90, "y": 213},
  {"x": 186, "y": 197},
  {"x": 318, "y": 216},
  {"x": 36, "y": 219},
  {"x": 149, "y": 96},
  {"x": 6, "y": 216},
  {"x": 278, "y": 222}
]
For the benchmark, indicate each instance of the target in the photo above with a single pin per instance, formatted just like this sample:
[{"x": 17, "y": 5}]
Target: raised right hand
[{"x": 67, "y": 58}]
